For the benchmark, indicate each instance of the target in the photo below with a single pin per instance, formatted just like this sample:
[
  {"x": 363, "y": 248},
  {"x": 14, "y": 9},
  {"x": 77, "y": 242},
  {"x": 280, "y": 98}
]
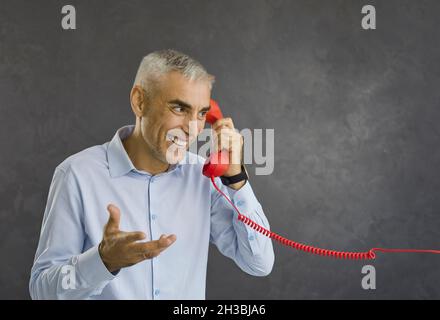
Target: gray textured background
[{"x": 355, "y": 115}]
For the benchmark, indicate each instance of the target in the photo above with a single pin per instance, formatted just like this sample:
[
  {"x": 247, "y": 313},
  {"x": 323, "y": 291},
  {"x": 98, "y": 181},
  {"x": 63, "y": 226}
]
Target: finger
[
  {"x": 225, "y": 141},
  {"x": 225, "y": 138},
  {"x": 236, "y": 152},
  {"x": 140, "y": 253},
  {"x": 225, "y": 130},
  {"x": 215, "y": 136},
  {"x": 161, "y": 244},
  {"x": 114, "y": 218},
  {"x": 166, "y": 241},
  {"x": 226, "y": 122},
  {"x": 222, "y": 131},
  {"x": 149, "y": 254},
  {"x": 233, "y": 143},
  {"x": 133, "y": 236}
]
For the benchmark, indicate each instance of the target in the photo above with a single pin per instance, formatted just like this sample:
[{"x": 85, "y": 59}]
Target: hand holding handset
[{"x": 218, "y": 163}]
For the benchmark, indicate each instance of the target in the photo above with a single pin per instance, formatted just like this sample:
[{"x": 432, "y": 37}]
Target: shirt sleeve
[
  {"x": 61, "y": 269},
  {"x": 251, "y": 251}
]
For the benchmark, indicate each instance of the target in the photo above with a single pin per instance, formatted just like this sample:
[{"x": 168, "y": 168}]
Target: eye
[
  {"x": 177, "y": 108},
  {"x": 202, "y": 114}
]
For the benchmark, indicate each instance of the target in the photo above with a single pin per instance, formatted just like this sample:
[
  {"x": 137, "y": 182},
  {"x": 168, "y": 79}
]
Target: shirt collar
[{"x": 119, "y": 162}]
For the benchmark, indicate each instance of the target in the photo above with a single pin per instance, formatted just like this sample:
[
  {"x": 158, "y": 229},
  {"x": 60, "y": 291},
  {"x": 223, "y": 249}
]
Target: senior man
[{"x": 133, "y": 218}]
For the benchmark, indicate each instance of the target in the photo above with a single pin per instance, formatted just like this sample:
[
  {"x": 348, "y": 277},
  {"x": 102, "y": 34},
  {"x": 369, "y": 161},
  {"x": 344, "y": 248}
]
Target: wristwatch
[{"x": 237, "y": 178}]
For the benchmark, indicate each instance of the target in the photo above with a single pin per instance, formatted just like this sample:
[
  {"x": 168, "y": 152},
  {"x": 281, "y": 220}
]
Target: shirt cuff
[{"x": 91, "y": 268}]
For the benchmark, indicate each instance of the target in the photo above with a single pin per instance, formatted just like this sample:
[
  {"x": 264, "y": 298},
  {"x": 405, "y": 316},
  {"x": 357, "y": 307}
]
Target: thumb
[{"x": 113, "y": 219}]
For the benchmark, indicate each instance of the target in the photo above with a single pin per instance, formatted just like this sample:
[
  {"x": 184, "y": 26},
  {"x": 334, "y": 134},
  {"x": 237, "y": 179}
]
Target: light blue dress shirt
[{"x": 180, "y": 201}]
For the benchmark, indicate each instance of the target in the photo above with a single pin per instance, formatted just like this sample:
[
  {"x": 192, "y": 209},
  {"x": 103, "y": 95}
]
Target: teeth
[{"x": 177, "y": 141}]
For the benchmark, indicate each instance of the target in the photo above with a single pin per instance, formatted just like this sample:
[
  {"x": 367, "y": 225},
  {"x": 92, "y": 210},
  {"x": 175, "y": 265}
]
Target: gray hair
[{"x": 158, "y": 63}]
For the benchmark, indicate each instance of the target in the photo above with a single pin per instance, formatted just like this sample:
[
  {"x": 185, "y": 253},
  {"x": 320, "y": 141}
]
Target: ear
[{"x": 137, "y": 100}]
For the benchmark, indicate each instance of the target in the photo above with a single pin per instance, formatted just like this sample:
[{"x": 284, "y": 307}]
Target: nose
[
  {"x": 192, "y": 125},
  {"x": 192, "y": 116}
]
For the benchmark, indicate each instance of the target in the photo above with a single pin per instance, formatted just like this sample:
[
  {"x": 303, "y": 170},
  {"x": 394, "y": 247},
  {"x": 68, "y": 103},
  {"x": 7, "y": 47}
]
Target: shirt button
[
  {"x": 156, "y": 292},
  {"x": 153, "y": 217},
  {"x": 240, "y": 203},
  {"x": 251, "y": 237}
]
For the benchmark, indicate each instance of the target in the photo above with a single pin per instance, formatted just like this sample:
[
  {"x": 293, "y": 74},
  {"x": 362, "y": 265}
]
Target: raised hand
[{"x": 119, "y": 249}]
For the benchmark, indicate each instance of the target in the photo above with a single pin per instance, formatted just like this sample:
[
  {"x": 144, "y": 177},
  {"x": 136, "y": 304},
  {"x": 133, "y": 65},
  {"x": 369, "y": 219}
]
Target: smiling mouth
[{"x": 176, "y": 140}]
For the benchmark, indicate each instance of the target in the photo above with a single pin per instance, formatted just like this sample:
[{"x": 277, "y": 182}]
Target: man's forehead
[{"x": 193, "y": 93}]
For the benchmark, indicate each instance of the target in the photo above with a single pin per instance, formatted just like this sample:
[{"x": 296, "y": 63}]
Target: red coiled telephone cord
[{"x": 367, "y": 255}]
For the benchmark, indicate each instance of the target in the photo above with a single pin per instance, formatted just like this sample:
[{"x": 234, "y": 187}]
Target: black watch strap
[{"x": 234, "y": 179}]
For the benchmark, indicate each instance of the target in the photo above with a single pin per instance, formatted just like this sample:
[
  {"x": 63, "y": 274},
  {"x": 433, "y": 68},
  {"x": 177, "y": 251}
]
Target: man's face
[{"x": 176, "y": 103}]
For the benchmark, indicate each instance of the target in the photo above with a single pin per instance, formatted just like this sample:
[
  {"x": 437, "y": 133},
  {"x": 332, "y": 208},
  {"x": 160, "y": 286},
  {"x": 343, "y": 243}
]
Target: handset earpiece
[{"x": 217, "y": 163}]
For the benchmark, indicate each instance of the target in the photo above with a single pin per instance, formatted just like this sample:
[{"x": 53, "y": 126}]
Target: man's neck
[{"x": 139, "y": 153}]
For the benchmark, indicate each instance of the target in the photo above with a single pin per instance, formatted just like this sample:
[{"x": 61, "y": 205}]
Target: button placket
[{"x": 153, "y": 216}]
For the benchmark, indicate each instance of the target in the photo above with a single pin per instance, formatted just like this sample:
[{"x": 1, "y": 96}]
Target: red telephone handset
[{"x": 218, "y": 163}]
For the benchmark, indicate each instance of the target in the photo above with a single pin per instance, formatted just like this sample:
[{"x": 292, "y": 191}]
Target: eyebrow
[{"x": 187, "y": 105}]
